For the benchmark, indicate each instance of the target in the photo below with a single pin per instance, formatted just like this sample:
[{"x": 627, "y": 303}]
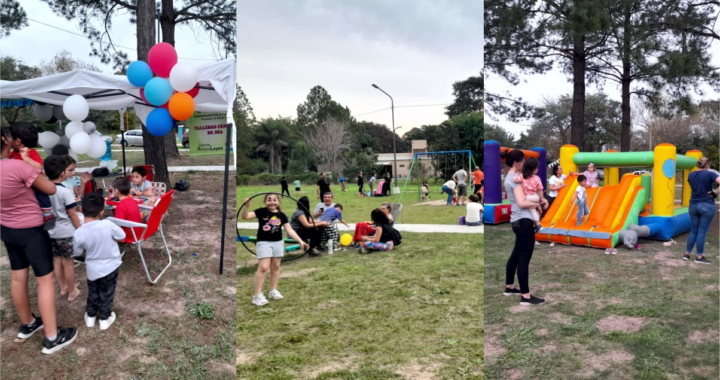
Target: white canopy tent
[{"x": 106, "y": 92}]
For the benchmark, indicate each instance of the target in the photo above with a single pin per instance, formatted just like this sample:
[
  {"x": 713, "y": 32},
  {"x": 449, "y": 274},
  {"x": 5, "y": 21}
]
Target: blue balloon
[
  {"x": 159, "y": 122},
  {"x": 158, "y": 91},
  {"x": 139, "y": 73}
]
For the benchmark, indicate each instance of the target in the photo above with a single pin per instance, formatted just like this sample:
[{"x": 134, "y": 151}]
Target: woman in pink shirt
[{"x": 28, "y": 245}]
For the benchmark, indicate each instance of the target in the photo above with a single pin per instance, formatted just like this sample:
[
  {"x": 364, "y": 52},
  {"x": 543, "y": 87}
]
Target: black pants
[
  {"x": 101, "y": 294},
  {"x": 360, "y": 188},
  {"x": 285, "y": 191},
  {"x": 28, "y": 247},
  {"x": 311, "y": 236},
  {"x": 477, "y": 189},
  {"x": 519, "y": 260}
]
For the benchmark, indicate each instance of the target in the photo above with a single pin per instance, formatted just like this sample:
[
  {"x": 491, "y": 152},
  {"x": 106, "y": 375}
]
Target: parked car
[
  {"x": 185, "y": 139},
  {"x": 132, "y": 138}
]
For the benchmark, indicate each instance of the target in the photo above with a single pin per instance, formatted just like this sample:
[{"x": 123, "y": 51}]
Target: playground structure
[
  {"x": 634, "y": 204},
  {"x": 497, "y": 207},
  {"x": 447, "y": 172}
]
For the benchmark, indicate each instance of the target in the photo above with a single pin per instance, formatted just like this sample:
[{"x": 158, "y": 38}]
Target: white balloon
[
  {"x": 73, "y": 155},
  {"x": 76, "y": 108},
  {"x": 58, "y": 113},
  {"x": 48, "y": 140},
  {"x": 97, "y": 147},
  {"x": 43, "y": 112},
  {"x": 72, "y": 128},
  {"x": 183, "y": 77},
  {"x": 89, "y": 127},
  {"x": 80, "y": 142}
]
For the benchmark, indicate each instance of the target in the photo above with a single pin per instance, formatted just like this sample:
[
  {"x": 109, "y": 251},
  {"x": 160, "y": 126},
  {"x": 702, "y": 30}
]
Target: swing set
[{"x": 437, "y": 159}]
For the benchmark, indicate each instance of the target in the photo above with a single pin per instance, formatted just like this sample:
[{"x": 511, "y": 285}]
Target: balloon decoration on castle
[{"x": 172, "y": 90}]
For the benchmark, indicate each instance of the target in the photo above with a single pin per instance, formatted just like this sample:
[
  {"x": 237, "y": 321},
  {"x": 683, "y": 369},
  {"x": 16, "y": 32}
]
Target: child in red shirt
[
  {"x": 127, "y": 209},
  {"x": 24, "y": 138}
]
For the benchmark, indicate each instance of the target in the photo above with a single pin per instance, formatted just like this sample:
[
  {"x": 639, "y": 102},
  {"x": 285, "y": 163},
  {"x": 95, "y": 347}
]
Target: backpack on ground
[{"x": 396, "y": 237}]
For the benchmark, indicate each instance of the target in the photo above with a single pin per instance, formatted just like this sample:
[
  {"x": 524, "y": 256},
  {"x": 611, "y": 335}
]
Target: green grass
[
  {"x": 357, "y": 209},
  {"x": 673, "y": 299},
  {"x": 393, "y": 315}
]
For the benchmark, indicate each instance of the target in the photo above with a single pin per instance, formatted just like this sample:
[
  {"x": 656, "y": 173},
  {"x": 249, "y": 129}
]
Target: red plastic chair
[{"x": 154, "y": 223}]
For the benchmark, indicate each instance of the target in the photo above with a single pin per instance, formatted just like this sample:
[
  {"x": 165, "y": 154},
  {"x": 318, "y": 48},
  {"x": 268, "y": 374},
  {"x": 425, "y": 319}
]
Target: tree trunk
[
  {"x": 626, "y": 79},
  {"x": 153, "y": 147},
  {"x": 167, "y": 26},
  {"x": 577, "y": 114}
]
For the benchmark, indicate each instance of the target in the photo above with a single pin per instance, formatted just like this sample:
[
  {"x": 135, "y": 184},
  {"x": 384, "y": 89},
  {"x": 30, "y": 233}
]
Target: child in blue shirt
[{"x": 333, "y": 214}]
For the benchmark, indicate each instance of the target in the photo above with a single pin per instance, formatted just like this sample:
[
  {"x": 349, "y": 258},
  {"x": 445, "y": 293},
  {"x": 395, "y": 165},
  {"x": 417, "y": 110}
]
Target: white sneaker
[
  {"x": 259, "y": 300},
  {"x": 275, "y": 295},
  {"x": 89, "y": 322},
  {"x": 552, "y": 244},
  {"x": 105, "y": 323},
  {"x": 537, "y": 242}
]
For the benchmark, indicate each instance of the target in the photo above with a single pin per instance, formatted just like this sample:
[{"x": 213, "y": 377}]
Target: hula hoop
[{"x": 285, "y": 258}]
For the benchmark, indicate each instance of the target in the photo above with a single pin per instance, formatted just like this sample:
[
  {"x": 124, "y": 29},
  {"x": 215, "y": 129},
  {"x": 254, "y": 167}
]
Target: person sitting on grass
[
  {"x": 532, "y": 187},
  {"x": 24, "y": 140},
  {"x": 127, "y": 209},
  {"x": 331, "y": 233},
  {"x": 382, "y": 238},
  {"x": 97, "y": 241},
  {"x": 140, "y": 186},
  {"x": 67, "y": 221},
  {"x": 366, "y": 228},
  {"x": 309, "y": 231},
  {"x": 28, "y": 245},
  {"x": 270, "y": 246},
  {"x": 323, "y": 206},
  {"x": 474, "y": 211}
]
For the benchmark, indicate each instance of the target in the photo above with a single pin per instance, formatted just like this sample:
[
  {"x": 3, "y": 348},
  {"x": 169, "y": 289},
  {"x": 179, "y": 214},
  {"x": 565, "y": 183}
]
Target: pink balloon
[
  {"x": 142, "y": 95},
  {"x": 162, "y": 58}
]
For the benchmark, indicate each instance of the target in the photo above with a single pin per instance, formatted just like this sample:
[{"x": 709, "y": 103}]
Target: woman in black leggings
[{"x": 524, "y": 229}]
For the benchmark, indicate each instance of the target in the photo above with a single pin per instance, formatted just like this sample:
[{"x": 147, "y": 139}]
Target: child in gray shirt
[{"x": 97, "y": 239}]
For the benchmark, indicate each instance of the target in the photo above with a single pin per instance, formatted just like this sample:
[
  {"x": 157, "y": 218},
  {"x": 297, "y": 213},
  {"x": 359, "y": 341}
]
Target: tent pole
[{"x": 228, "y": 143}]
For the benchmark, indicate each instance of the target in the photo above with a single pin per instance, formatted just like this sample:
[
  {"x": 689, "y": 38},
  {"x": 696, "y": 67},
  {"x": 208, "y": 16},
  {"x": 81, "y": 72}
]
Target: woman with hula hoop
[{"x": 270, "y": 245}]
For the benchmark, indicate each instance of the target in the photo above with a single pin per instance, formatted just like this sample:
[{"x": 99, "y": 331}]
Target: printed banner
[{"x": 206, "y": 133}]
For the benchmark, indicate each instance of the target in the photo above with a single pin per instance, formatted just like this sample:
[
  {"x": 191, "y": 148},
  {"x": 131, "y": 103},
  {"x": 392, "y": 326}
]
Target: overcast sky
[
  {"x": 554, "y": 84},
  {"x": 37, "y": 42},
  {"x": 413, "y": 49}
]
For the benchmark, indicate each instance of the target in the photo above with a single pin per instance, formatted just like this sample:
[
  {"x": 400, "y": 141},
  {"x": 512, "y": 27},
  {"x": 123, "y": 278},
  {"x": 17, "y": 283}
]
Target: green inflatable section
[{"x": 628, "y": 159}]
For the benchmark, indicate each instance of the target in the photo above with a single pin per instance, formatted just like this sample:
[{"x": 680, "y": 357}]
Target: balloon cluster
[
  {"x": 48, "y": 113},
  {"x": 79, "y": 136},
  {"x": 172, "y": 90}
]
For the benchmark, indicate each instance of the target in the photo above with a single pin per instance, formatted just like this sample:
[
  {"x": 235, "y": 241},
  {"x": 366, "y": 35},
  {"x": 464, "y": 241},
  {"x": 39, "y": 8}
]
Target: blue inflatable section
[
  {"x": 489, "y": 215},
  {"x": 664, "y": 227}
]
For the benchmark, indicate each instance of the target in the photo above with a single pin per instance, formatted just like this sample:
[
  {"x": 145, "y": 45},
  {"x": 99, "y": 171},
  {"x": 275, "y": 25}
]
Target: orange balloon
[{"x": 181, "y": 106}]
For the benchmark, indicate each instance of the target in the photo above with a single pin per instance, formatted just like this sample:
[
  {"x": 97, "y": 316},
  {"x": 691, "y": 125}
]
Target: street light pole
[{"x": 392, "y": 107}]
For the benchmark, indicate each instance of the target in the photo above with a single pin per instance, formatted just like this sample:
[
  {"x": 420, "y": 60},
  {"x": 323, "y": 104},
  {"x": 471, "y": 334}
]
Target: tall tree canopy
[
  {"x": 216, "y": 17},
  {"x": 531, "y": 37},
  {"x": 468, "y": 96},
  {"x": 657, "y": 47},
  {"x": 12, "y": 17}
]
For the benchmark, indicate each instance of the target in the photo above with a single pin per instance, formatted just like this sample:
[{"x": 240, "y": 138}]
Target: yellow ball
[{"x": 346, "y": 239}]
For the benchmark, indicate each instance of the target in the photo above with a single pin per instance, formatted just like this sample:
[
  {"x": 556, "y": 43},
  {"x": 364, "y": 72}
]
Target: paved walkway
[
  {"x": 211, "y": 168},
  {"x": 427, "y": 228}
]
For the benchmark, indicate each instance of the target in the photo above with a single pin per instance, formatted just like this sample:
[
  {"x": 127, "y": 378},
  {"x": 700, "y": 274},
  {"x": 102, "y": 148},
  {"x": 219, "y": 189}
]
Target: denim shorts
[{"x": 270, "y": 249}]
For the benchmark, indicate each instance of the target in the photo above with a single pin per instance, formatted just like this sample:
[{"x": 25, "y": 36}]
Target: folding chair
[
  {"x": 154, "y": 223},
  {"x": 396, "y": 208},
  {"x": 159, "y": 188}
]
